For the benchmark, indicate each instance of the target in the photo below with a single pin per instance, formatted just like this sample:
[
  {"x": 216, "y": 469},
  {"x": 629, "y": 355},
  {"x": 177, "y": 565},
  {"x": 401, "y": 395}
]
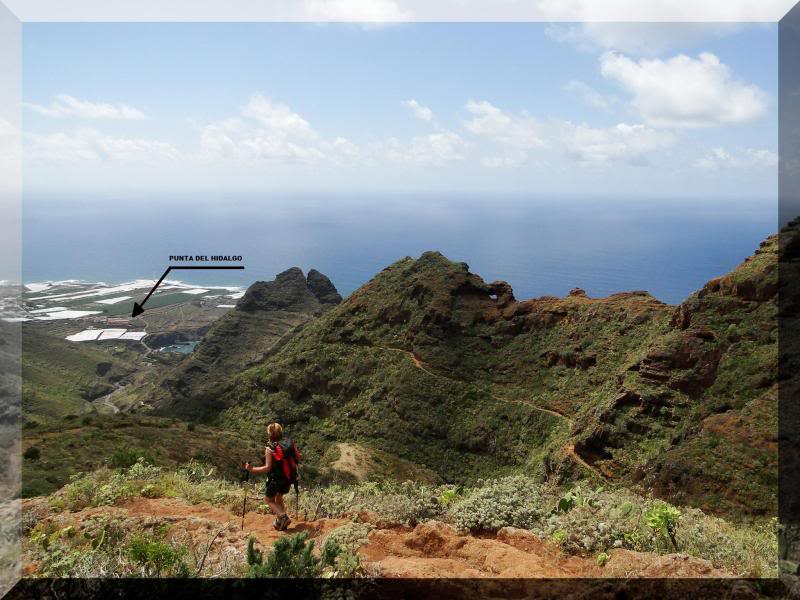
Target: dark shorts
[{"x": 276, "y": 487}]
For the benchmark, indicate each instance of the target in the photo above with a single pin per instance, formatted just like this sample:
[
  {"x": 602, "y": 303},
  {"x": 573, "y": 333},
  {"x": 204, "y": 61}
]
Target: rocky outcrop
[
  {"x": 322, "y": 288},
  {"x": 267, "y": 312},
  {"x": 289, "y": 290}
]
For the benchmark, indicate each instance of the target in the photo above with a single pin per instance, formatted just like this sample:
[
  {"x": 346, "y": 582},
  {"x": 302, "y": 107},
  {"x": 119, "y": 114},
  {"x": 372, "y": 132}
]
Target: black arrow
[{"x": 139, "y": 308}]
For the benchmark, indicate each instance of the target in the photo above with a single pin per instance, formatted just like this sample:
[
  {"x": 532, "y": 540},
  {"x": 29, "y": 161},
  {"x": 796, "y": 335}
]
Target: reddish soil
[{"x": 431, "y": 549}]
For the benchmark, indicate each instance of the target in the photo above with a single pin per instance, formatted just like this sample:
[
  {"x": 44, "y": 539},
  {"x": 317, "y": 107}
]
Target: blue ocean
[{"x": 541, "y": 246}]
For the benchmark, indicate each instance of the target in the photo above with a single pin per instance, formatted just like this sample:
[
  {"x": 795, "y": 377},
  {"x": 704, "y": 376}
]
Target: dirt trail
[
  {"x": 106, "y": 400},
  {"x": 535, "y": 407},
  {"x": 256, "y": 524},
  {"x": 431, "y": 549},
  {"x": 416, "y": 360},
  {"x": 568, "y": 450},
  {"x": 120, "y": 386}
]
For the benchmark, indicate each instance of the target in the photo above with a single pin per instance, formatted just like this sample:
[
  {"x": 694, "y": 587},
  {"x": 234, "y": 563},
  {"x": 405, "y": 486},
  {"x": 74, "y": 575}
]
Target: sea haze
[{"x": 541, "y": 246}]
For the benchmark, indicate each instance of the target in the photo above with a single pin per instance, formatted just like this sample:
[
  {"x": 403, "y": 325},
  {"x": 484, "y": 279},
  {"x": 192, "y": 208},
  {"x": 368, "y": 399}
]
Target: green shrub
[
  {"x": 156, "y": 557},
  {"x": 448, "y": 496},
  {"x": 351, "y": 535},
  {"x": 60, "y": 552},
  {"x": 59, "y": 557},
  {"x": 347, "y": 563},
  {"x": 125, "y": 457},
  {"x": 749, "y": 550},
  {"x": 293, "y": 556},
  {"x": 616, "y": 519},
  {"x": 610, "y": 519},
  {"x": 142, "y": 469},
  {"x": 340, "y": 561},
  {"x": 602, "y": 559},
  {"x": 77, "y": 495},
  {"x": 330, "y": 552},
  {"x": 508, "y": 502},
  {"x": 583, "y": 521},
  {"x": 663, "y": 519},
  {"x": 32, "y": 453},
  {"x": 574, "y": 497},
  {"x": 104, "y": 487},
  {"x": 254, "y": 555},
  {"x": 404, "y": 503},
  {"x": 558, "y": 536},
  {"x": 151, "y": 491},
  {"x": 196, "y": 471}
]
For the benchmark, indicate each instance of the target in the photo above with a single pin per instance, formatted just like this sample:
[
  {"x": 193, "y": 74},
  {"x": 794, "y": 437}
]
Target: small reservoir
[{"x": 181, "y": 347}]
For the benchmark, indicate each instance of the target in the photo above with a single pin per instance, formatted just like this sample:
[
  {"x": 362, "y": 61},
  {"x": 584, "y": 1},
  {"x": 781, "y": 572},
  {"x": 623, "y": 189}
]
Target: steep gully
[{"x": 569, "y": 450}]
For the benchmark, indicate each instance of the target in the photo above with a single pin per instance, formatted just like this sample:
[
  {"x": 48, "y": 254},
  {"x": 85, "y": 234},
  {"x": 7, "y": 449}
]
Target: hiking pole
[
  {"x": 244, "y": 500},
  {"x": 297, "y": 493}
]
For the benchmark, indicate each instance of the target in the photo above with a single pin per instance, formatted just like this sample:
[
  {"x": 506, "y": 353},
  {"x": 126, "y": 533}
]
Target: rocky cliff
[{"x": 268, "y": 311}]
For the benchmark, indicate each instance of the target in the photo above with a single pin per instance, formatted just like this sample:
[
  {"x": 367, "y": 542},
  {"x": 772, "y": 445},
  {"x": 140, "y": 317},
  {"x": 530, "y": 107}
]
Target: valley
[{"x": 429, "y": 374}]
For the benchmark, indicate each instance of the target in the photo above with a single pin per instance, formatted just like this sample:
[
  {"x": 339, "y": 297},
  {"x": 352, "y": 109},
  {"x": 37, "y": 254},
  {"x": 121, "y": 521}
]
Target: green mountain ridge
[{"x": 429, "y": 363}]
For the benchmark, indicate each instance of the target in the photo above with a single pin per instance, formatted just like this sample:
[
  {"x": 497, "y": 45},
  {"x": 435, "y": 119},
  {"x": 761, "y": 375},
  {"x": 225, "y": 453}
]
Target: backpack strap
[{"x": 290, "y": 452}]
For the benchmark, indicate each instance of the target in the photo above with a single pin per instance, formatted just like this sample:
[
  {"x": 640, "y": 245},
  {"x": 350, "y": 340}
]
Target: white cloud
[
  {"x": 625, "y": 143},
  {"x": 264, "y": 130},
  {"x": 519, "y": 135},
  {"x": 419, "y": 111},
  {"x": 66, "y": 106},
  {"x": 664, "y": 10},
  {"x": 590, "y": 95},
  {"x": 516, "y": 134},
  {"x": 373, "y": 11},
  {"x": 235, "y": 138},
  {"x": 749, "y": 158},
  {"x": 342, "y": 151},
  {"x": 505, "y": 162},
  {"x": 684, "y": 91},
  {"x": 520, "y": 131},
  {"x": 91, "y": 145},
  {"x": 278, "y": 119},
  {"x": 269, "y": 130},
  {"x": 434, "y": 149},
  {"x": 647, "y": 39}
]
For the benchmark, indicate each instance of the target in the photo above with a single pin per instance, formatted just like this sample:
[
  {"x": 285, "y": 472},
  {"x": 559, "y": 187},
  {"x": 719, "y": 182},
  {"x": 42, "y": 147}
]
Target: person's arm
[{"x": 267, "y": 464}]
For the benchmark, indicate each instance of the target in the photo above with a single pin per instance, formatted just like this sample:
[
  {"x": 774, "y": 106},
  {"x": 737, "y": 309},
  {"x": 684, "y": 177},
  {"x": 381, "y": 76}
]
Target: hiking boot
[
  {"x": 282, "y": 522},
  {"x": 285, "y": 520},
  {"x": 278, "y": 522}
]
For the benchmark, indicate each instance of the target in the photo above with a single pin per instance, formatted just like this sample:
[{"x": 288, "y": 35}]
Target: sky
[{"x": 684, "y": 110}]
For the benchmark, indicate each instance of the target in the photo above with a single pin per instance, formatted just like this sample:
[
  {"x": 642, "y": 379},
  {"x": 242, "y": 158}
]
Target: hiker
[{"x": 281, "y": 460}]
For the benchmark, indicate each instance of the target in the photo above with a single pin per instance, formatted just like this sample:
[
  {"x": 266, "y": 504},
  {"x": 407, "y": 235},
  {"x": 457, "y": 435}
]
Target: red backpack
[{"x": 284, "y": 462}]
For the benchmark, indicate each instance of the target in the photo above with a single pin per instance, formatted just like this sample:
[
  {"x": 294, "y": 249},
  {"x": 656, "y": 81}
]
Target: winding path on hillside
[
  {"x": 416, "y": 360},
  {"x": 119, "y": 386},
  {"x": 569, "y": 450}
]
